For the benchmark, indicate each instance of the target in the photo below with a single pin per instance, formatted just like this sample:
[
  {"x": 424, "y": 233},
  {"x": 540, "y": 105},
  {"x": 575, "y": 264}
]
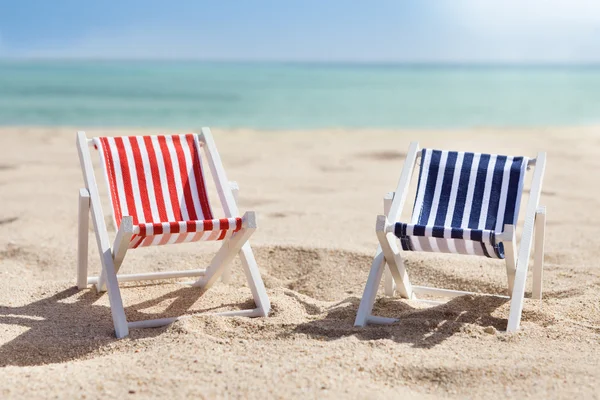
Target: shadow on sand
[
  {"x": 420, "y": 327},
  {"x": 69, "y": 325}
]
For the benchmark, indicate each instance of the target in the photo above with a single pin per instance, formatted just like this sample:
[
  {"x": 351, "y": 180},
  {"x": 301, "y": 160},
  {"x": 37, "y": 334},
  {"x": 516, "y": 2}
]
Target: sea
[{"x": 190, "y": 94}]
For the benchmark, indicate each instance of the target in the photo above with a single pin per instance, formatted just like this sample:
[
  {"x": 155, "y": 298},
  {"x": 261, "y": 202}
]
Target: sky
[{"x": 414, "y": 31}]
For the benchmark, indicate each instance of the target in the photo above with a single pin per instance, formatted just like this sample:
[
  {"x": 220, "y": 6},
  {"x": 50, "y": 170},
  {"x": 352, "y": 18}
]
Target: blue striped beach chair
[{"x": 466, "y": 203}]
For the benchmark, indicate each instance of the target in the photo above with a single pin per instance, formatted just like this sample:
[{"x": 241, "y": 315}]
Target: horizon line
[{"x": 415, "y": 63}]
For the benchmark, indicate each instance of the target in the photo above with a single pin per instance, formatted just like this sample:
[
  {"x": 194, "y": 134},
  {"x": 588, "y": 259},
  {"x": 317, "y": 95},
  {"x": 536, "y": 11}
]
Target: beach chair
[
  {"x": 466, "y": 203},
  {"x": 158, "y": 196}
]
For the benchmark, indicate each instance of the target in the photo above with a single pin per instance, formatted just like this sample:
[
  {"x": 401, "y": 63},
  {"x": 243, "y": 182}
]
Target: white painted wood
[
  {"x": 377, "y": 267},
  {"x": 404, "y": 182},
  {"x": 389, "y": 285},
  {"x": 154, "y": 323},
  {"x": 431, "y": 302},
  {"x": 370, "y": 293},
  {"x": 119, "y": 249},
  {"x": 122, "y": 240},
  {"x": 228, "y": 251},
  {"x": 235, "y": 189},
  {"x": 82, "y": 238},
  {"x": 518, "y": 294},
  {"x": 158, "y": 322},
  {"x": 150, "y": 276},
  {"x": 226, "y": 277},
  {"x": 397, "y": 265},
  {"x": 256, "y": 312},
  {"x": 394, "y": 260},
  {"x": 218, "y": 172},
  {"x": 255, "y": 282},
  {"x": 114, "y": 295},
  {"x": 381, "y": 320},
  {"x": 430, "y": 291},
  {"x": 509, "y": 240},
  {"x": 538, "y": 261}
]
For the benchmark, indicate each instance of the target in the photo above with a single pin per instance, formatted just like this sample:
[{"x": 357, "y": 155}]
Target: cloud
[
  {"x": 534, "y": 13},
  {"x": 560, "y": 31}
]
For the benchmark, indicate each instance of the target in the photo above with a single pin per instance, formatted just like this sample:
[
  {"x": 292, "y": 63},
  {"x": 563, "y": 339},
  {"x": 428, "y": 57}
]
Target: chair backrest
[
  {"x": 155, "y": 178},
  {"x": 468, "y": 190}
]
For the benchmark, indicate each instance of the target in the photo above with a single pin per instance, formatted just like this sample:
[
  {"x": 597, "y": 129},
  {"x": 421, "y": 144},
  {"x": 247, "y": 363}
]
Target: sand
[{"x": 317, "y": 195}]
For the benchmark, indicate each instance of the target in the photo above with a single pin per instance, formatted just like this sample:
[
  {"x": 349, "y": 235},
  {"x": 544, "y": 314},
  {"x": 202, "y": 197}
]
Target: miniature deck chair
[
  {"x": 158, "y": 196},
  {"x": 466, "y": 203}
]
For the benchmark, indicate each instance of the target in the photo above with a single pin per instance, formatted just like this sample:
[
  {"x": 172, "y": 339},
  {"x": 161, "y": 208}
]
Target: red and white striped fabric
[{"x": 159, "y": 182}]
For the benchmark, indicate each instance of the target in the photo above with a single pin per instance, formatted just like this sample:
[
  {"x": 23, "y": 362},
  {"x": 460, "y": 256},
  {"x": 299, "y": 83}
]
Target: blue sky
[{"x": 504, "y": 31}]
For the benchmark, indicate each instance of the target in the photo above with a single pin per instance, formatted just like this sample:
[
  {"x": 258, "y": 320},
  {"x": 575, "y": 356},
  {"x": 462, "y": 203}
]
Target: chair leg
[
  {"x": 114, "y": 296},
  {"x": 517, "y": 298},
  {"x": 389, "y": 285},
  {"x": 255, "y": 282},
  {"x": 235, "y": 189},
  {"x": 82, "y": 242},
  {"x": 510, "y": 255},
  {"x": 393, "y": 258},
  {"x": 119, "y": 249},
  {"x": 538, "y": 262},
  {"x": 230, "y": 248},
  {"x": 388, "y": 253},
  {"x": 368, "y": 298},
  {"x": 518, "y": 295}
]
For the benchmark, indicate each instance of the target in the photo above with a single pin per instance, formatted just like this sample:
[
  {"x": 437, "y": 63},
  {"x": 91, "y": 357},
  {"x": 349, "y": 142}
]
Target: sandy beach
[{"x": 317, "y": 195}]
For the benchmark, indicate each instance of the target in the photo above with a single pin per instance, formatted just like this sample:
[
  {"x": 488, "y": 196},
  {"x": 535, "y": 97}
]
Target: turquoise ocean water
[{"x": 296, "y": 96}]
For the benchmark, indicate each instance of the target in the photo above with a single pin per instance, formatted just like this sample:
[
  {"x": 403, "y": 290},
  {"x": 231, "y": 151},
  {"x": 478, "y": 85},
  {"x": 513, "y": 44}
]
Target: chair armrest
[
  {"x": 383, "y": 225},
  {"x": 387, "y": 202},
  {"x": 508, "y": 235},
  {"x": 540, "y": 210},
  {"x": 235, "y": 189},
  {"x": 249, "y": 220}
]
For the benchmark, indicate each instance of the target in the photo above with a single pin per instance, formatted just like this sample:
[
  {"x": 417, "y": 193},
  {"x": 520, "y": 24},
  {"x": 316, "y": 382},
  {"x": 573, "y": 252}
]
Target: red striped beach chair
[
  {"x": 158, "y": 197},
  {"x": 466, "y": 203}
]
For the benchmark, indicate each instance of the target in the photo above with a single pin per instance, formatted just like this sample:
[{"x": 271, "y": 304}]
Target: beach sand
[{"x": 317, "y": 195}]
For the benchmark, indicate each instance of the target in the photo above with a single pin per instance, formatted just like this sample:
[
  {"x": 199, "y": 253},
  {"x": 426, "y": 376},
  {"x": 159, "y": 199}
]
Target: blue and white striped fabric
[{"x": 463, "y": 200}]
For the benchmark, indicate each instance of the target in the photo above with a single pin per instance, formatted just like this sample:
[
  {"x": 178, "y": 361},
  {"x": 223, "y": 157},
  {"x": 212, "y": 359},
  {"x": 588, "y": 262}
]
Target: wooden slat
[
  {"x": 255, "y": 282},
  {"x": 114, "y": 295},
  {"x": 82, "y": 238},
  {"x": 518, "y": 294},
  {"x": 538, "y": 261},
  {"x": 377, "y": 267}
]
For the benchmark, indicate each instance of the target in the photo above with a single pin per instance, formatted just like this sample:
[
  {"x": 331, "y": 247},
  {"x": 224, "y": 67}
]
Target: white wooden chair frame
[
  {"x": 112, "y": 258},
  {"x": 516, "y": 263}
]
